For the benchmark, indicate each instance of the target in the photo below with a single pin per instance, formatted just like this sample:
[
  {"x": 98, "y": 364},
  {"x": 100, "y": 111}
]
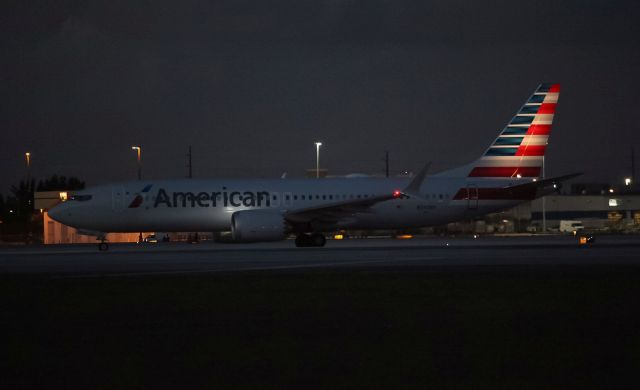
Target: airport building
[
  {"x": 607, "y": 212},
  {"x": 604, "y": 212}
]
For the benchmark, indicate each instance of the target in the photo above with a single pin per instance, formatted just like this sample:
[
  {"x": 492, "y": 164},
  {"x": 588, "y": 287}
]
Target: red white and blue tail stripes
[{"x": 520, "y": 147}]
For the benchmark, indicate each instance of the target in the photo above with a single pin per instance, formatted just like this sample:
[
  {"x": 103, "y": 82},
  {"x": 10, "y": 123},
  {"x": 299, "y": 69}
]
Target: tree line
[{"x": 17, "y": 216}]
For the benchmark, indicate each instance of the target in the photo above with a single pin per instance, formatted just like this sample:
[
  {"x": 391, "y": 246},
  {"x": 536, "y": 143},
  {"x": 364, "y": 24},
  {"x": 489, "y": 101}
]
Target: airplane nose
[{"x": 57, "y": 212}]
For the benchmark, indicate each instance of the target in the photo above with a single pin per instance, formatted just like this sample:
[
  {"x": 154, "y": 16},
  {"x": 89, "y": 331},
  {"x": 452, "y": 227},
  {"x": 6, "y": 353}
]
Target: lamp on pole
[
  {"x": 27, "y": 155},
  {"x": 318, "y": 145},
  {"x": 139, "y": 150}
]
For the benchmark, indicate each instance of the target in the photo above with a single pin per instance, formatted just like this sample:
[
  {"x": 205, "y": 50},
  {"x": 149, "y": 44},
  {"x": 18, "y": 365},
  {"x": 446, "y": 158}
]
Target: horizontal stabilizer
[{"x": 541, "y": 187}]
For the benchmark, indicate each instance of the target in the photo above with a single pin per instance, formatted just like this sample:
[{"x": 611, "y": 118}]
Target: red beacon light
[{"x": 397, "y": 194}]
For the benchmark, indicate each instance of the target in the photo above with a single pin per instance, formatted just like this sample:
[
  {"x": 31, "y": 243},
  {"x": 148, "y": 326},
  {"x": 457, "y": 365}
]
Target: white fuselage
[{"x": 207, "y": 205}]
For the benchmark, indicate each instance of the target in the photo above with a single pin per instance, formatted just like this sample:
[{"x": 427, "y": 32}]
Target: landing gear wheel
[
  {"x": 318, "y": 240},
  {"x": 303, "y": 240},
  {"x": 307, "y": 240},
  {"x": 103, "y": 246}
]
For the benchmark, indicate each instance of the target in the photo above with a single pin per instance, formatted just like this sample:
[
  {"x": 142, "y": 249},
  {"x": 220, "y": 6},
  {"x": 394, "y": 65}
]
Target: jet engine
[{"x": 257, "y": 225}]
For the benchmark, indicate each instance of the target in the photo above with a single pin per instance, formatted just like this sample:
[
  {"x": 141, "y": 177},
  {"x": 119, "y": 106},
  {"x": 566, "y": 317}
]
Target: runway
[{"x": 358, "y": 254}]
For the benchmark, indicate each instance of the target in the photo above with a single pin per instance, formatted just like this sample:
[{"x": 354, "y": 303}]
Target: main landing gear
[{"x": 308, "y": 240}]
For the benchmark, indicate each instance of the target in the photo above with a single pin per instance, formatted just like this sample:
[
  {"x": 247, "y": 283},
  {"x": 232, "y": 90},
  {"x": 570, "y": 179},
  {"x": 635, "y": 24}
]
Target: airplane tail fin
[{"x": 519, "y": 149}]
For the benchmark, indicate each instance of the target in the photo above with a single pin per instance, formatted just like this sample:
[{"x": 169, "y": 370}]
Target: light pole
[
  {"x": 318, "y": 145},
  {"x": 27, "y": 155},
  {"x": 139, "y": 150}
]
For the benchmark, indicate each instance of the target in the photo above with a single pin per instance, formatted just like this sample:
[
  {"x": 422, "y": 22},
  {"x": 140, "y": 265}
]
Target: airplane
[{"x": 509, "y": 172}]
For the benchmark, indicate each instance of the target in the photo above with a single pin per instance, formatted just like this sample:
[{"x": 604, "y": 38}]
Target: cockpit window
[{"x": 80, "y": 198}]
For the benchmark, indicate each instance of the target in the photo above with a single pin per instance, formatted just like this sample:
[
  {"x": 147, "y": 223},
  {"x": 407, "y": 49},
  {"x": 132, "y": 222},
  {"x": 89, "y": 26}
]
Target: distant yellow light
[
  {"x": 611, "y": 190},
  {"x": 338, "y": 237},
  {"x": 404, "y": 236},
  {"x": 64, "y": 196}
]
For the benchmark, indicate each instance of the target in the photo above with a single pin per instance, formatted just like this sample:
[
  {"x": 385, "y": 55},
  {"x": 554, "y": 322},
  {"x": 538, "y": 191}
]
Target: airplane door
[
  {"x": 117, "y": 198},
  {"x": 472, "y": 197}
]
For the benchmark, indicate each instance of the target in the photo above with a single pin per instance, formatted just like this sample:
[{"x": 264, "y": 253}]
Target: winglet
[{"x": 413, "y": 189}]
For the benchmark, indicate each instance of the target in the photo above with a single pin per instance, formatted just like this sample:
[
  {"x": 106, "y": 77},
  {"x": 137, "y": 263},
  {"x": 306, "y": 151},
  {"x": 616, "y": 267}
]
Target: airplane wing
[
  {"x": 339, "y": 210},
  {"x": 335, "y": 211}
]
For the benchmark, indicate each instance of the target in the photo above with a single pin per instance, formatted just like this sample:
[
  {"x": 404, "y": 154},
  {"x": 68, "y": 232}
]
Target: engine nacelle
[{"x": 257, "y": 225}]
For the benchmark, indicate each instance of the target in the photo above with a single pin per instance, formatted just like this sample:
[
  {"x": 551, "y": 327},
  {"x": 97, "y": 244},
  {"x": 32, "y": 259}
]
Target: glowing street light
[
  {"x": 139, "y": 150},
  {"x": 318, "y": 145},
  {"x": 27, "y": 155},
  {"x": 627, "y": 181}
]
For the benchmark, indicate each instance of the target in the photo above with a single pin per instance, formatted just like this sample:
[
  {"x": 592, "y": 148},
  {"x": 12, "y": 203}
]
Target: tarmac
[
  {"x": 362, "y": 254},
  {"x": 489, "y": 312}
]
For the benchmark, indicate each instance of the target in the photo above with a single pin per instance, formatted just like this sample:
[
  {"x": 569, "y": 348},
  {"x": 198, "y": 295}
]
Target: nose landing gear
[
  {"x": 103, "y": 245},
  {"x": 310, "y": 240}
]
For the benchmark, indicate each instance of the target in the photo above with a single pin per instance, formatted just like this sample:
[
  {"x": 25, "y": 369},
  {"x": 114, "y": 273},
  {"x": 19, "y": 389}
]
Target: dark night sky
[{"x": 252, "y": 84}]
